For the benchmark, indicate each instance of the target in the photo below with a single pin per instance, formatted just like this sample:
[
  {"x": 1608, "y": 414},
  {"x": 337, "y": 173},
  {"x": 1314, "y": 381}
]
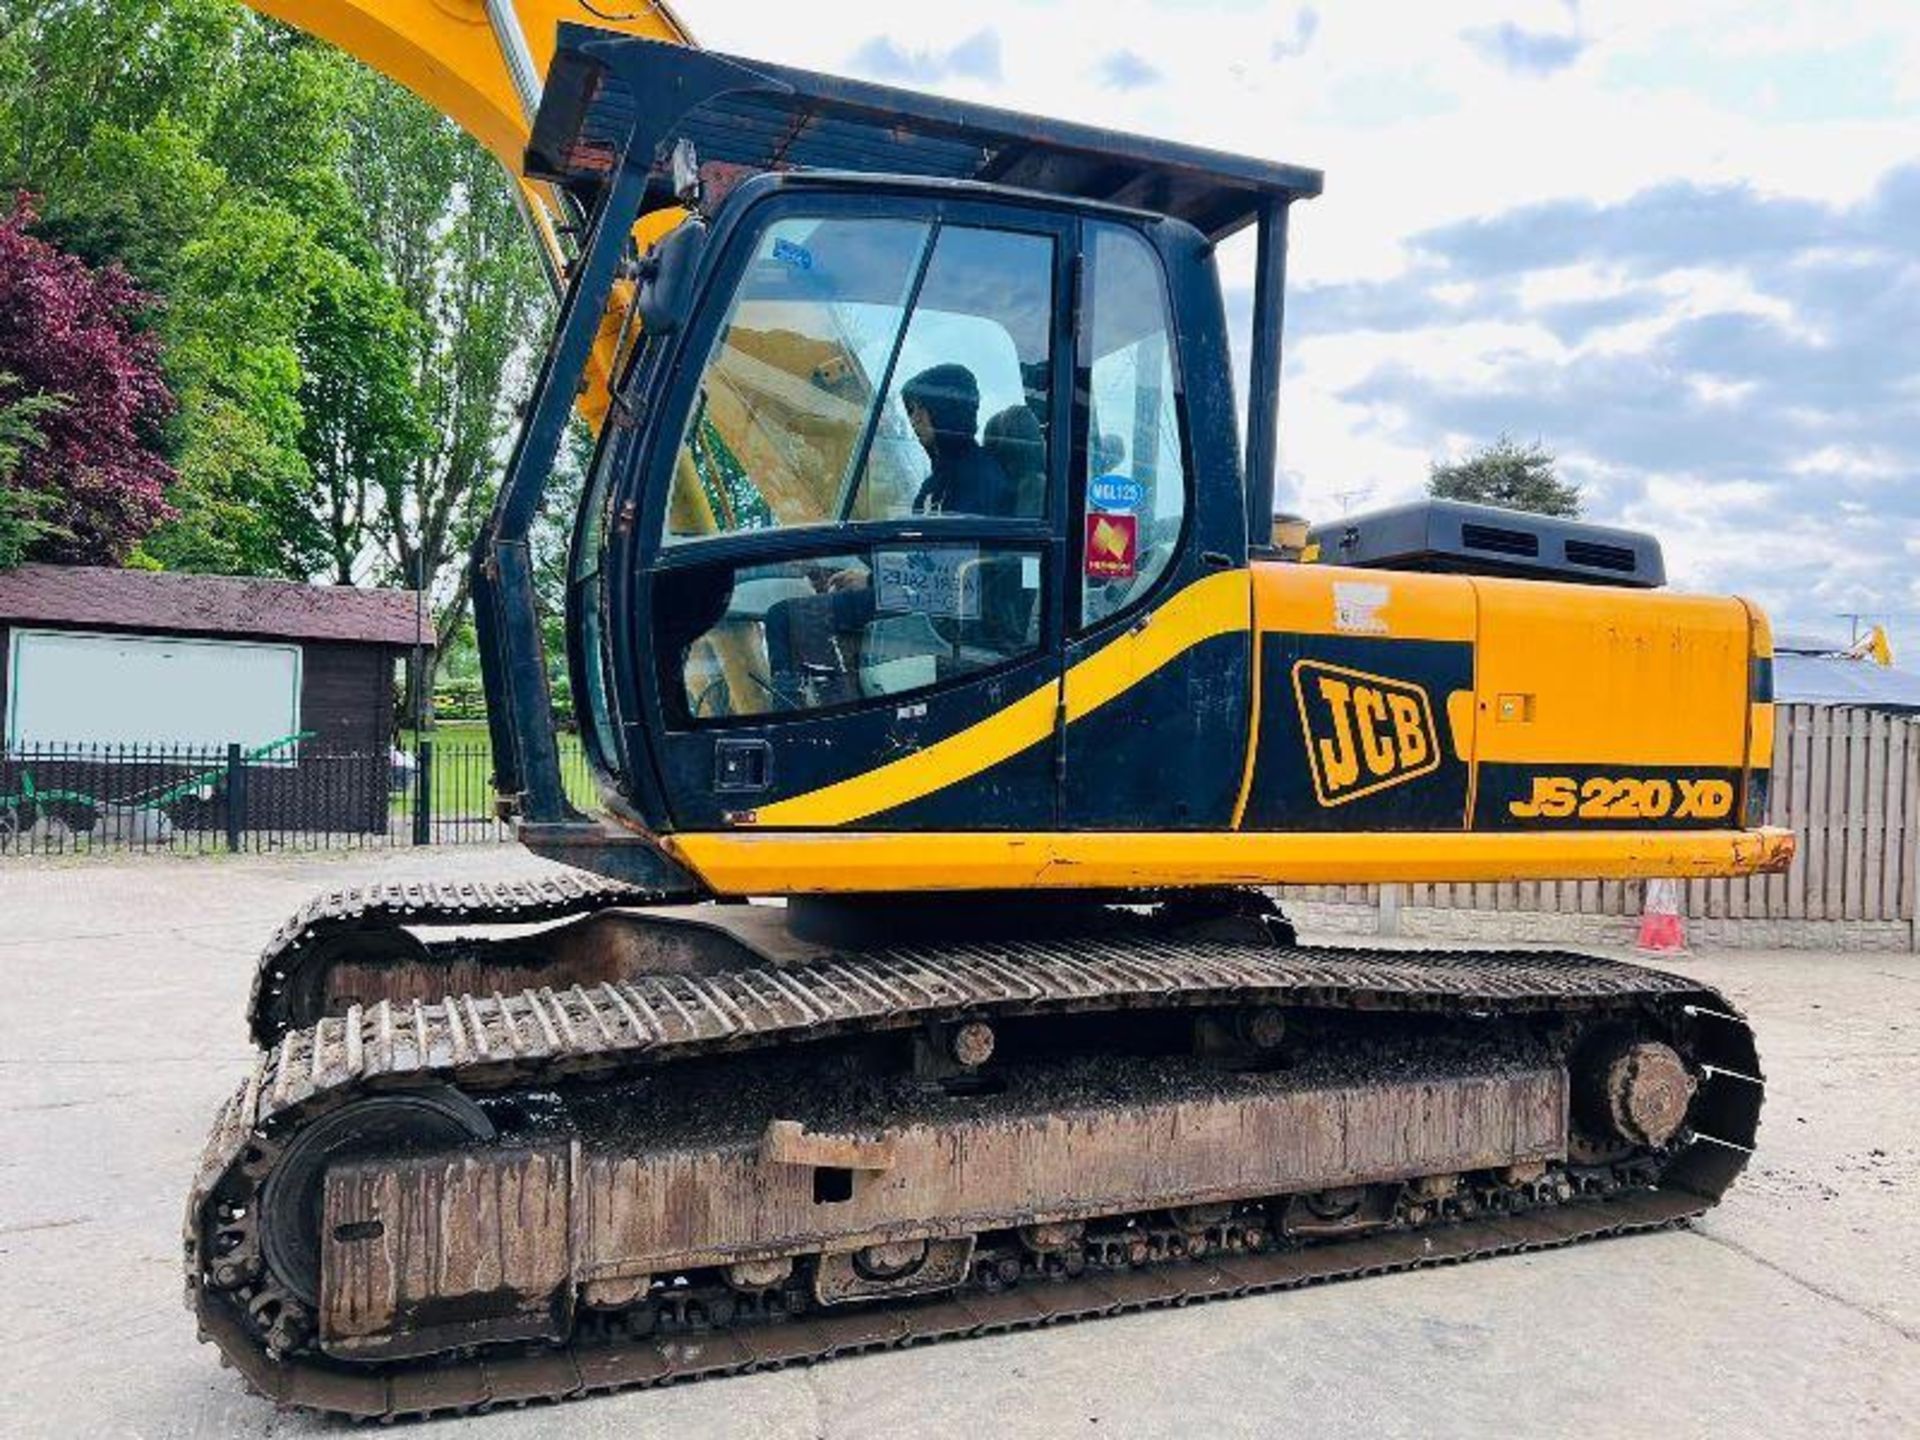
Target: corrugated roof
[
  {"x": 145, "y": 600},
  {"x": 604, "y": 90},
  {"x": 1840, "y": 680},
  {"x": 1800, "y": 642}
]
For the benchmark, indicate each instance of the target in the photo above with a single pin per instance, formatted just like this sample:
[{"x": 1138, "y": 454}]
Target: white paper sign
[{"x": 943, "y": 582}]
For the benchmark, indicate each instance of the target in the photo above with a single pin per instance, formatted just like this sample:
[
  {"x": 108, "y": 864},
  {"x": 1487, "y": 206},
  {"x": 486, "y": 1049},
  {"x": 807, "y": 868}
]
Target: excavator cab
[
  {"x": 925, "y": 404},
  {"x": 897, "y": 481}
]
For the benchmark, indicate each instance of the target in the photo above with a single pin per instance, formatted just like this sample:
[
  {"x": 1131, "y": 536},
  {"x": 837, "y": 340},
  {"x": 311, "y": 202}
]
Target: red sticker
[{"x": 1113, "y": 546}]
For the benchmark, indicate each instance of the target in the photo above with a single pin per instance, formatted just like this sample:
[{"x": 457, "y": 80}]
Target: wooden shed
[{"x": 94, "y": 660}]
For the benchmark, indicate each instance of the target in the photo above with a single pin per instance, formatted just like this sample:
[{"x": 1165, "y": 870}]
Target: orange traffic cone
[{"x": 1662, "y": 931}]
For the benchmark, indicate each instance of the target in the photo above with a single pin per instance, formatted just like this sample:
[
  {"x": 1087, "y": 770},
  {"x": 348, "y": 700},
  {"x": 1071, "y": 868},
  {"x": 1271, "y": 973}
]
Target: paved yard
[{"x": 1793, "y": 1309}]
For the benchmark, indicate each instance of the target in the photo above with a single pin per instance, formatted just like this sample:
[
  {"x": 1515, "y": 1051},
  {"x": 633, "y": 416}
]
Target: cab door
[
  {"x": 852, "y": 604},
  {"x": 1158, "y": 685}
]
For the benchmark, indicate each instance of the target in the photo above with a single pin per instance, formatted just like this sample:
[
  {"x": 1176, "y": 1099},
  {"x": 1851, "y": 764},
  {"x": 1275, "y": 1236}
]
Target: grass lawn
[{"x": 463, "y": 770}]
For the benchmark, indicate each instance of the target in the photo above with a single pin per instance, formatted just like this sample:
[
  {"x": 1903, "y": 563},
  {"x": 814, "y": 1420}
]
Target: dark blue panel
[
  {"x": 1168, "y": 754},
  {"x": 1016, "y": 794},
  {"x": 1418, "y": 783},
  {"x": 811, "y": 752}
]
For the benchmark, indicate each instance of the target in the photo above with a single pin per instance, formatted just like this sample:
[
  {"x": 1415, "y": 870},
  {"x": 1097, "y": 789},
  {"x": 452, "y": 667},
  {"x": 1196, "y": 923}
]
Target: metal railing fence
[{"x": 81, "y": 799}]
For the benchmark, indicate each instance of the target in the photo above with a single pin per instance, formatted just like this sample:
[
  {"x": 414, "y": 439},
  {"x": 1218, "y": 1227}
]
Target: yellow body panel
[
  {"x": 768, "y": 863},
  {"x": 1330, "y": 600},
  {"x": 1611, "y": 677},
  {"x": 1760, "y": 713}
]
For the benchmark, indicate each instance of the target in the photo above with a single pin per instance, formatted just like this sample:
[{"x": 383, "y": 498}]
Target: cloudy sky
[{"x": 1677, "y": 241}]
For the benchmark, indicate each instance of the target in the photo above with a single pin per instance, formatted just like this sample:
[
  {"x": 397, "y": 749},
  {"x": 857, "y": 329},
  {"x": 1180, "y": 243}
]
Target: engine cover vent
[{"x": 1463, "y": 539}]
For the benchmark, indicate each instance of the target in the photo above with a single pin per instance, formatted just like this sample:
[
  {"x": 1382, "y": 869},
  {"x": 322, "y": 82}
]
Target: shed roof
[
  {"x": 98, "y": 598},
  {"x": 1842, "y": 680}
]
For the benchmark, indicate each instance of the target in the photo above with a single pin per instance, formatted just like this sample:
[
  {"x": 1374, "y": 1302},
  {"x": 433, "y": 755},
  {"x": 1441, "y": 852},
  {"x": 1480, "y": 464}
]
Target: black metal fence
[{"x": 76, "y": 799}]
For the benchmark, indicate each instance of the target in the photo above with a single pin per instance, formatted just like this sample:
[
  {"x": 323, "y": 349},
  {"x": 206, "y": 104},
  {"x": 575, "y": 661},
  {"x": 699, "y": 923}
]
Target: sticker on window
[
  {"x": 1116, "y": 492},
  {"x": 1113, "y": 546},
  {"x": 790, "y": 252},
  {"x": 943, "y": 582}
]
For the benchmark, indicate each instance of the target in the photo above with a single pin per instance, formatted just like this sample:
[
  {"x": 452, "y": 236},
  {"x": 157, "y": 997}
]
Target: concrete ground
[{"x": 1794, "y": 1308}]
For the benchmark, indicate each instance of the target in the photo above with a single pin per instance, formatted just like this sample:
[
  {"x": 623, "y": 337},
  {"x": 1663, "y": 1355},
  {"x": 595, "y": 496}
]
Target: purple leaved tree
[{"x": 73, "y": 332}]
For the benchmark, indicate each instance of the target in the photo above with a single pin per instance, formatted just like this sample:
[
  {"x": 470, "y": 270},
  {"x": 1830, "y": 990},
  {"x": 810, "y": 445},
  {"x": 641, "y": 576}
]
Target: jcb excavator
[{"x": 921, "y": 587}]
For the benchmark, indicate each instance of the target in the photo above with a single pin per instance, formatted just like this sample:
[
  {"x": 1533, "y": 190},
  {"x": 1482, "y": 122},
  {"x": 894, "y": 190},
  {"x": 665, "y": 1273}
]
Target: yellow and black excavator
[{"x": 921, "y": 587}]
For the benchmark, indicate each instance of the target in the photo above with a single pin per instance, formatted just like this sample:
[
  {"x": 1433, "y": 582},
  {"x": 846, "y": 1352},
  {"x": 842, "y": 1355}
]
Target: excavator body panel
[{"x": 791, "y": 650}]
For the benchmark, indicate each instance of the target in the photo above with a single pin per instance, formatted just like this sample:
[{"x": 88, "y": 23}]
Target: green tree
[
  {"x": 1507, "y": 474},
  {"x": 22, "y": 512},
  {"x": 204, "y": 150},
  {"x": 365, "y": 422},
  {"x": 444, "y": 220},
  {"x": 349, "y": 303},
  {"x": 70, "y": 66},
  {"x": 242, "y": 294}
]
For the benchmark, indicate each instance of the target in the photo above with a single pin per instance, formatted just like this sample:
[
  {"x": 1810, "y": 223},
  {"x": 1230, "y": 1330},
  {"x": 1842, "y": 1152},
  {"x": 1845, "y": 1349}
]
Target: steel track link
[
  {"x": 540, "y": 1037},
  {"x": 338, "y": 915},
  {"x": 578, "y": 1370}
]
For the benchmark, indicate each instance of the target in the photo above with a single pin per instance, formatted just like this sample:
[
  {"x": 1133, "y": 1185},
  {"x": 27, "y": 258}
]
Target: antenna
[{"x": 1853, "y": 618}]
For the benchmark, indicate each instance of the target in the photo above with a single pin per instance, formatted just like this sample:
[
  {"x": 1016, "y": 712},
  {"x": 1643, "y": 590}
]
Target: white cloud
[
  {"x": 1712, "y": 390},
  {"x": 1852, "y": 463},
  {"x": 1559, "y": 284}
]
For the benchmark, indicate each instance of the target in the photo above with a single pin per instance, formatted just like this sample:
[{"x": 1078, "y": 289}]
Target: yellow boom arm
[
  {"x": 482, "y": 63},
  {"x": 479, "y": 62}
]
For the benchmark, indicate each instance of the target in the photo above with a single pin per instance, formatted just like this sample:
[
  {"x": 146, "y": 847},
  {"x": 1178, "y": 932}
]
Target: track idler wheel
[
  {"x": 406, "y": 1122},
  {"x": 1637, "y": 1090},
  {"x": 360, "y": 967},
  {"x": 1649, "y": 1092}
]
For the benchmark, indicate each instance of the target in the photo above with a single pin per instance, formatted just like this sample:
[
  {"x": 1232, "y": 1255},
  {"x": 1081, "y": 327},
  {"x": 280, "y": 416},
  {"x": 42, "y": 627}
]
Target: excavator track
[
  {"x": 341, "y": 920},
  {"x": 540, "y": 1039}
]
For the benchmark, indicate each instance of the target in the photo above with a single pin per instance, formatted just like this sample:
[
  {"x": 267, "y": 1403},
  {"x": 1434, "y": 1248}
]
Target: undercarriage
[{"x": 643, "y": 1175}]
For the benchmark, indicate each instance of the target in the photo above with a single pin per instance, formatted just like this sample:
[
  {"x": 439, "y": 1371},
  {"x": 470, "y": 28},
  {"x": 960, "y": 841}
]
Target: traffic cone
[{"x": 1662, "y": 931}]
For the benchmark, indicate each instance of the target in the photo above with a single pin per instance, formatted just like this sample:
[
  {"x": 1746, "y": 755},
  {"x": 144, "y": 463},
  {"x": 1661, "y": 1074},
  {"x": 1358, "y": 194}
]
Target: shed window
[{"x": 67, "y": 689}]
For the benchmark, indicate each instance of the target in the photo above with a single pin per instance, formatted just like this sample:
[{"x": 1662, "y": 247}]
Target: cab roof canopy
[{"x": 608, "y": 94}]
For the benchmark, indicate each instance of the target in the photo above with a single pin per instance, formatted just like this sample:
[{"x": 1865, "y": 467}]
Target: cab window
[
  {"x": 962, "y": 430},
  {"x": 872, "y": 369},
  {"x": 1135, "y": 470},
  {"x": 862, "y": 624}
]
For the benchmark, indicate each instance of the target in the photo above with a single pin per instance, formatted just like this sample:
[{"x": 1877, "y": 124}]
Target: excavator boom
[{"x": 483, "y": 64}]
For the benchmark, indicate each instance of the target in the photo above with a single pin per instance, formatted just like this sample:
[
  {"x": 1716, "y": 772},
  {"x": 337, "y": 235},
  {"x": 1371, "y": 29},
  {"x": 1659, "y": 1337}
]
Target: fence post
[
  {"x": 423, "y": 794},
  {"x": 236, "y": 797},
  {"x": 1388, "y": 903}
]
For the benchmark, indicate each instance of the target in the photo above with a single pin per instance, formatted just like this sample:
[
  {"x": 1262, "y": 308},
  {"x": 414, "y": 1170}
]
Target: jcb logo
[{"x": 1364, "y": 732}]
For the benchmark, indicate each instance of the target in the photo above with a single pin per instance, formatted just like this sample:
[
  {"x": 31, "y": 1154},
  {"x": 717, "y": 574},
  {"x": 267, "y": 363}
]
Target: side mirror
[{"x": 666, "y": 277}]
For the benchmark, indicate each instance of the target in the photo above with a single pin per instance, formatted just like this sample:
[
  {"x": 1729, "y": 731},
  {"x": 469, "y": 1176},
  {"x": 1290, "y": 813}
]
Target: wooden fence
[{"x": 1845, "y": 781}]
